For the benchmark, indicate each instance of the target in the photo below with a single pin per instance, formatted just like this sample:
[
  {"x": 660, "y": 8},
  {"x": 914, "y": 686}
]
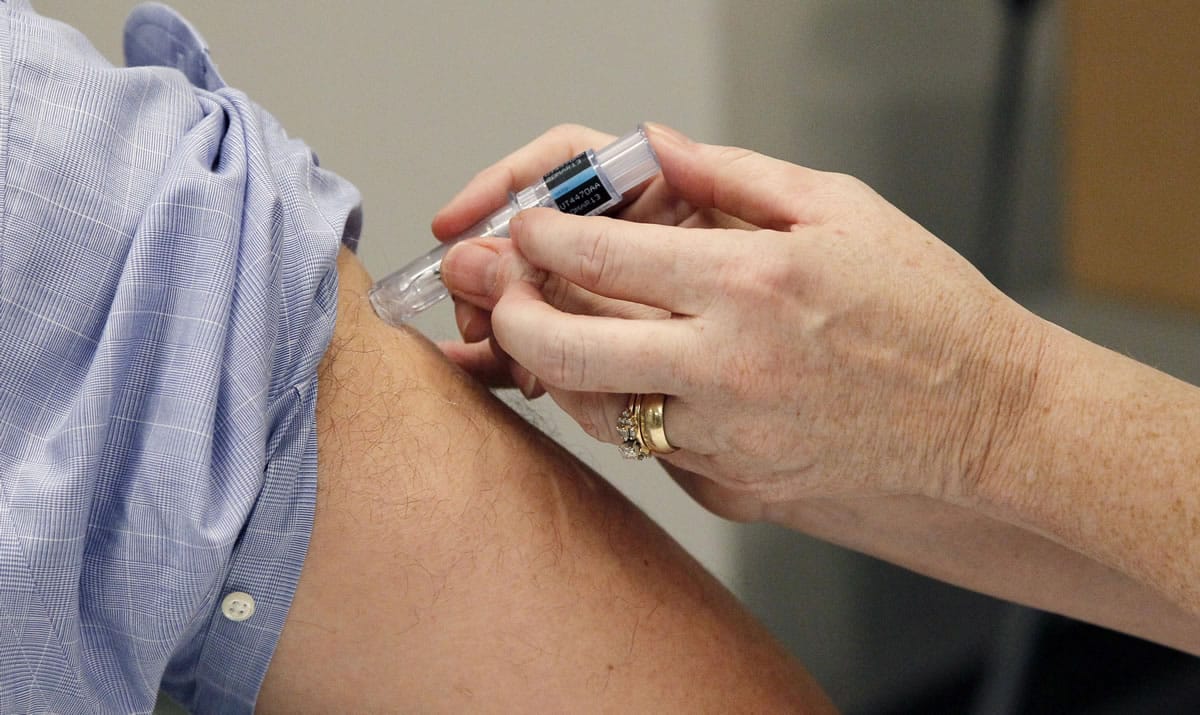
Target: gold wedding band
[
  {"x": 653, "y": 431},
  {"x": 641, "y": 427}
]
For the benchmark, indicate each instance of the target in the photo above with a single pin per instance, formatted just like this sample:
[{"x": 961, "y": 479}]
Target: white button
[{"x": 238, "y": 606}]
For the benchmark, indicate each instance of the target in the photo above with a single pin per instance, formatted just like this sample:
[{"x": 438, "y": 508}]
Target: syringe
[{"x": 590, "y": 183}]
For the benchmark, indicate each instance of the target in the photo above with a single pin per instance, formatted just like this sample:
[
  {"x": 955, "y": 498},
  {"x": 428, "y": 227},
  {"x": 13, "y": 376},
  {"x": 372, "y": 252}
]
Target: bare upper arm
[{"x": 461, "y": 560}]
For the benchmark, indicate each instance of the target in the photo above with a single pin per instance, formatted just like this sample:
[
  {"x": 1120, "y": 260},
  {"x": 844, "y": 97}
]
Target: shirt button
[{"x": 238, "y": 606}]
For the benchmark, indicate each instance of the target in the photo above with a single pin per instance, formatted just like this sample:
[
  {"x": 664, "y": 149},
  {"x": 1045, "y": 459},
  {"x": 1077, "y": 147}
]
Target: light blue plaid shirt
[{"x": 167, "y": 288}]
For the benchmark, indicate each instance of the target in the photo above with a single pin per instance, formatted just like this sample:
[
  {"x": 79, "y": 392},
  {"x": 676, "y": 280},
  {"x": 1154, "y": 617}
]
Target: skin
[
  {"x": 462, "y": 562},
  {"x": 833, "y": 367}
]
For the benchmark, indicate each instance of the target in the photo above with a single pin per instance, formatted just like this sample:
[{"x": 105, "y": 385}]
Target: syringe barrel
[{"x": 590, "y": 183}]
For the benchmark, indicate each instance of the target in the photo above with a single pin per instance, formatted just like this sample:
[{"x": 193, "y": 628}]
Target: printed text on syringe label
[{"x": 577, "y": 188}]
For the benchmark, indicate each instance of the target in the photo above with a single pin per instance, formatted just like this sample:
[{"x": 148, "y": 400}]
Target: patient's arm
[{"x": 461, "y": 561}]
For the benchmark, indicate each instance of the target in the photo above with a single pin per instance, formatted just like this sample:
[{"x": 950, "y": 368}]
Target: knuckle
[
  {"x": 561, "y": 362},
  {"x": 565, "y": 130},
  {"x": 557, "y": 291},
  {"x": 780, "y": 270},
  {"x": 501, "y": 173},
  {"x": 598, "y": 264},
  {"x": 510, "y": 177},
  {"x": 856, "y": 184},
  {"x": 847, "y": 185},
  {"x": 733, "y": 154},
  {"x": 484, "y": 173},
  {"x": 737, "y": 164},
  {"x": 562, "y": 137},
  {"x": 746, "y": 162},
  {"x": 508, "y": 270},
  {"x": 766, "y": 274}
]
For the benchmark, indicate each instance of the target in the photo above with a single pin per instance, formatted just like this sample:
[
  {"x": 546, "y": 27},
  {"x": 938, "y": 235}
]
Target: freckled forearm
[
  {"x": 1107, "y": 462},
  {"x": 966, "y": 548}
]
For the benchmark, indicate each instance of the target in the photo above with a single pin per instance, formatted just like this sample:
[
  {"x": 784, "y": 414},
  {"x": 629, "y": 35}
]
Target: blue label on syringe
[{"x": 577, "y": 188}]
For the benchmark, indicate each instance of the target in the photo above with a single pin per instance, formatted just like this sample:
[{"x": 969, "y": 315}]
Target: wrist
[
  {"x": 1104, "y": 462},
  {"x": 1010, "y": 408}
]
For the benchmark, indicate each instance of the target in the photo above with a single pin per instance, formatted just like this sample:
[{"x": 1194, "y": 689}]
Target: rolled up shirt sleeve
[{"x": 167, "y": 289}]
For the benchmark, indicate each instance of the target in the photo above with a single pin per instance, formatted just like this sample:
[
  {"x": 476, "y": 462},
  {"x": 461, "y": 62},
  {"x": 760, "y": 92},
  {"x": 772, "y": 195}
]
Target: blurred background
[{"x": 1052, "y": 143}]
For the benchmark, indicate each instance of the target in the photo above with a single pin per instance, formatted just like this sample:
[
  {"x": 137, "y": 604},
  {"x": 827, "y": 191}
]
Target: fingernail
[
  {"x": 464, "y": 315},
  {"x": 470, "y": 268},
  {"x": 516, "y": 225},
  {"x": 526, "y": 382},
  {"x": 529, "y": 388}
]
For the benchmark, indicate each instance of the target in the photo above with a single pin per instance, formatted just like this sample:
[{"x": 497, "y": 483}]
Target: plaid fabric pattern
[{"x": 167, "y": 288}]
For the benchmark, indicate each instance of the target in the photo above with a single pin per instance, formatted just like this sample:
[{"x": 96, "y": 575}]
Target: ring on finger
[
  {"x": 629, "y": 428},
  {"x": 651, "y": 426}
]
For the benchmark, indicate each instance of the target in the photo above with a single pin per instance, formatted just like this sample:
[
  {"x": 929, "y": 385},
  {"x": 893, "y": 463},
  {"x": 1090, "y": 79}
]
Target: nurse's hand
[{"x": 811, "y": 339}]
